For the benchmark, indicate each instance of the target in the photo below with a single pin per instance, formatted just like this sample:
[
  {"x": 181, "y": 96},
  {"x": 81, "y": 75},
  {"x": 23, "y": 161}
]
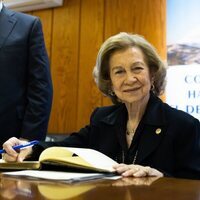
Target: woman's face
[{"x": 130, "y": 76}]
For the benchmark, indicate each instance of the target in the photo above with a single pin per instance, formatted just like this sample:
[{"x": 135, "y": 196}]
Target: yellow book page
[
  {"x": 62, "y": 156},
  {"x": 87, "y": 158}
]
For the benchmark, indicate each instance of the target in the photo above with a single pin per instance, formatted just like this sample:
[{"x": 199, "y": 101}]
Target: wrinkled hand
[
  {"x": 136, "y": 170},
  {"x": 15, "y": 156}
]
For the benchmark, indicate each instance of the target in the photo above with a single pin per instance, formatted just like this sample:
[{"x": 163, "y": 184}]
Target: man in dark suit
[{"x": 25, "y": 81}]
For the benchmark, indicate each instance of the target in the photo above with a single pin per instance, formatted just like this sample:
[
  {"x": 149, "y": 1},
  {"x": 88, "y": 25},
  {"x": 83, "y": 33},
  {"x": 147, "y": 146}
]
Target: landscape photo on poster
[{"x": 183, "y": 56}]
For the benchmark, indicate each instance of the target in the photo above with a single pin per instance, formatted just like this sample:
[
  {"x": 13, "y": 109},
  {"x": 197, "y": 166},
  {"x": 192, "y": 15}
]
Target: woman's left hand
[{"x": 136, "y": 170}]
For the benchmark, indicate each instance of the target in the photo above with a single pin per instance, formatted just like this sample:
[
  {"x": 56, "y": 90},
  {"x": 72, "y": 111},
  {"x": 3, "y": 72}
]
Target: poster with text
[{"x": 183, "y": 55}]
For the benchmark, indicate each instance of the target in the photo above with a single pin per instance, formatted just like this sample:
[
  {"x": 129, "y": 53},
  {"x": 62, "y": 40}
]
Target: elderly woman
[{"x": 145, "y": 135}]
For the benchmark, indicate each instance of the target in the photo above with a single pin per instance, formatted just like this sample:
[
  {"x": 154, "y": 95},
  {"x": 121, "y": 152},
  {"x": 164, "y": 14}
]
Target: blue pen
[{"x": 22, "y": 146}]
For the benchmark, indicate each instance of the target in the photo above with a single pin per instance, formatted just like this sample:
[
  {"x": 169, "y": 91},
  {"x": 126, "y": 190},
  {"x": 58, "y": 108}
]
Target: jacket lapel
[
  {"x": 150, "y": 140},
  {"x": 154, "y": 128},
  {"x": 118, "y": 120},
  {"x": 7, "y": 23}
]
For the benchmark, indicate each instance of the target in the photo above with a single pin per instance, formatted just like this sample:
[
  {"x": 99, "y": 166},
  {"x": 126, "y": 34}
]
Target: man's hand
[{"x": 12, "y": 155}]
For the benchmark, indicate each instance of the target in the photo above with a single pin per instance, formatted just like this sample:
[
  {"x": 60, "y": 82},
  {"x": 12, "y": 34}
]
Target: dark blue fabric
[{"x": 25, "y": 81}]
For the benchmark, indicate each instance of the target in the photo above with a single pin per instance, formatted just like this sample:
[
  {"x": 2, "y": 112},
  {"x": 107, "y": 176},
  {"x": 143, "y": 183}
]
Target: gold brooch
[{"x": 158, "y": 131}]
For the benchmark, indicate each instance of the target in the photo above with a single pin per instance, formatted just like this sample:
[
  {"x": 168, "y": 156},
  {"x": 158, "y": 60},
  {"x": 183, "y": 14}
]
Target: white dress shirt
[{"x": 1, "y": 5}]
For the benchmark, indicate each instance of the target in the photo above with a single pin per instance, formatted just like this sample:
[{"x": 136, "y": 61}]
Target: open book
[{"x": 80, "y": 158}]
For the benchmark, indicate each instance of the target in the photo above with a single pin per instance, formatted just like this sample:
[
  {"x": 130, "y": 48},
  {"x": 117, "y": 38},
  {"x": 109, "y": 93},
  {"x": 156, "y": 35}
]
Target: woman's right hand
[{"x": 15, "y": 156}]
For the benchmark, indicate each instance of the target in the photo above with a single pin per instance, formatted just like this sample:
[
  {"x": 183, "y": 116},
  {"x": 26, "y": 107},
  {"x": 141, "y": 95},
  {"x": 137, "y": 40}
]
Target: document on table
[{"x": 68, "y": 177}]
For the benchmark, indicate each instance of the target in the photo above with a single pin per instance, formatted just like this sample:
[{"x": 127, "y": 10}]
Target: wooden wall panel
[
  {"x": 64, "y": 66},
  {"x": 73, "y": 34},
  {"x": 144, "y": 17},
  {"x": 91, "y": 37}
]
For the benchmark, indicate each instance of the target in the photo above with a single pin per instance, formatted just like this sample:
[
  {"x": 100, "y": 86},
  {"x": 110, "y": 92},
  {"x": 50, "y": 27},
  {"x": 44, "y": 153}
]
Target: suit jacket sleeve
[{"x": 39, "y": 92}]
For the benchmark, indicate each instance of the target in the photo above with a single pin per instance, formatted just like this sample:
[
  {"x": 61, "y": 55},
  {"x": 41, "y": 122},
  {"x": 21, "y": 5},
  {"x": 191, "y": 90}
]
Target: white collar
[{"x": 1, "y": 5}]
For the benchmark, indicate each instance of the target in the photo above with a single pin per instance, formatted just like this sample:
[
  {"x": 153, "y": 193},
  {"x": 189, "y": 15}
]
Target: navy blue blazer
[
  {"x": 174, "y": 150},
  {"x": 25, "y": 81}
]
